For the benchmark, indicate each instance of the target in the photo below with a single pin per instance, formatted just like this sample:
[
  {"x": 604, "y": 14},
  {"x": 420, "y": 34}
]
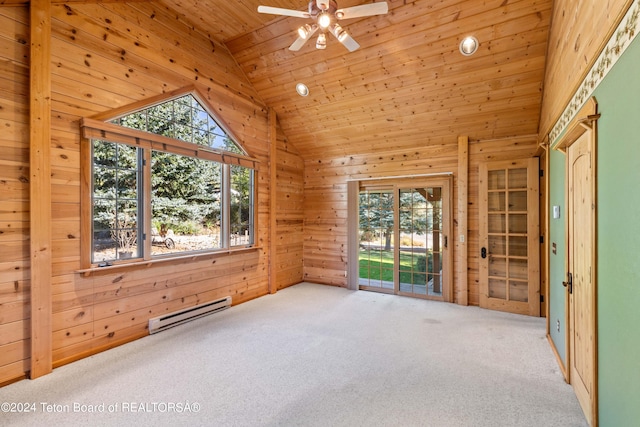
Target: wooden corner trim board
[
  {"x": 546, "y": 249},
  {"x": 463, "y": 219},
  {"x": 273, "y": 194},
  {"x": 40, "y": 188}
]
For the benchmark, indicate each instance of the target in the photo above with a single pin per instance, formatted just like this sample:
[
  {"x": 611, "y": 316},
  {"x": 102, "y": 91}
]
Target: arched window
[{"x": 166, "y": 179}]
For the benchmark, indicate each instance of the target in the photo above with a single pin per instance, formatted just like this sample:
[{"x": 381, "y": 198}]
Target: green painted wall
[
  {"x": 557, "y": 262},
  {"x": 619, "y": 242},
  {"x": 618, "y": 234}
]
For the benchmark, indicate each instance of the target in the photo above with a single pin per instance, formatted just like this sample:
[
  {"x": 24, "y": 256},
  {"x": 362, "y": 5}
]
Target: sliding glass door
[
  {"x": 403, "y": 238},
  {"x": 377, "y": 225}
]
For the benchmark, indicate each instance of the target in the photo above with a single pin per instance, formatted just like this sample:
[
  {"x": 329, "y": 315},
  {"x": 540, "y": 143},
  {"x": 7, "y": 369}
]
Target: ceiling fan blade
[
  {"x": 284, "y": 12},
  {"x": 344, "y": 38},
  {"x": 371, "y": 9},
  {"x": 297, "y": 45}
]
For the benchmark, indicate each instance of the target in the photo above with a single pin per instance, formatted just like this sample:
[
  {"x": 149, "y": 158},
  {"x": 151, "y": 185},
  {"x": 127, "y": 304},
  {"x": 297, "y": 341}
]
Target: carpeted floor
[{"x": 314, "y": 355}]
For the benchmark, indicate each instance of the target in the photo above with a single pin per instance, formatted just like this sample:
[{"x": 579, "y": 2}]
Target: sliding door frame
[{"x": 396, "y": 183}]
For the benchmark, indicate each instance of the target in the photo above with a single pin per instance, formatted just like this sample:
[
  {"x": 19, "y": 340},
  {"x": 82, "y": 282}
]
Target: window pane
[
  {"x": 115, "y": 202},
  {"x": 104, "y": 247},
  {"x": 104, "y": 179},
  {"x": 184, "y": 119},
  {"x": 497, "y": 202},
  {"x": 104, "y": 153},
  {"x": 496, "y": 180},
  {"x": 125, "y": 229},
  {"x": 127, "y": 183},
  {"x": 518, "y": 178},
  {"x": 241, "y": 206},
  {"x": 518, "y": 201},
  {"x": 186, "y": 204}
]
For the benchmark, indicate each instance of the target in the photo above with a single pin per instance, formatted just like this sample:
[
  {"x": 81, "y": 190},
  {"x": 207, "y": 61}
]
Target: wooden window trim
[
  {"x": 175, "y": 260},
  {"x": 97, "y": 127},
  {"x": 192, "y": 90}
]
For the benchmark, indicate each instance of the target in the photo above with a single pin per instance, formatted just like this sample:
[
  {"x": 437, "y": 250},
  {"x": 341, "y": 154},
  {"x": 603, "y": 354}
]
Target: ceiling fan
[{"x": 325, "y": 14}]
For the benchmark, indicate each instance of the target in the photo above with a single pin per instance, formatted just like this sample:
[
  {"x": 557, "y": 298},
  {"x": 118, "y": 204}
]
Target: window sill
[{"x": 95, "y": 270}]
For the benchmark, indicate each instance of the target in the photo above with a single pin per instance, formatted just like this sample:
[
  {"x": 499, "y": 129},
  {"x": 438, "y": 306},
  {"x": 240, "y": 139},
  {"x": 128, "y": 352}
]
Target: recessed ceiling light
[
  {"x": 469, "y": 46},
  {"x": 302, "y": 89}
]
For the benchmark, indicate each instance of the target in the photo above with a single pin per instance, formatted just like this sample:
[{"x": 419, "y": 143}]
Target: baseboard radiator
[{"x": 176, "y": 318}]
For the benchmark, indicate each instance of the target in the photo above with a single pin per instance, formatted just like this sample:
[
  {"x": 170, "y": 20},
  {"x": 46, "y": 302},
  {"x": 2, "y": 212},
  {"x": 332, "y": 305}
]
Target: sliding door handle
[{"x": 483, "y": 252}]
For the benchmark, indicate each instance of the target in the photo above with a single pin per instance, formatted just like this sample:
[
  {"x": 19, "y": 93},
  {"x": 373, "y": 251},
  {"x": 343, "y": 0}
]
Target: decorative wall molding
[{"x": 621, "y": 39}]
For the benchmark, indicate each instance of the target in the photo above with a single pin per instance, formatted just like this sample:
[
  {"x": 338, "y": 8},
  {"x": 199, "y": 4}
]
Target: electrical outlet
[{"x": 558, "y": 324}]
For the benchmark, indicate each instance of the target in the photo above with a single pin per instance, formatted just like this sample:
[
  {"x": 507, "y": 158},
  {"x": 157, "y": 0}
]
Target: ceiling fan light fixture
[
  {"x": 321, "y": 43},
  {"x": 339, "y": 32},
  {"x": 324, "y": 20},
  {"x": 325, "y": 14},
  {"x": 302, "y": 89},
  {"x": 469, "y": 46},
  {"x": 305, "y": 31}
]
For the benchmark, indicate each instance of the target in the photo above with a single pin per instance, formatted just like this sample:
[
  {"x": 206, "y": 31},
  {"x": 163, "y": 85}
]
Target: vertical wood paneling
[
  {"x": 105, "y": 56},
  {"x": 40, "y": 186},
  {"x": 273, "y": 148},
  {"x": 325, "y": 201},
  {"x": 325, "y": 251},
  {"x": 106, "y": 59},
  {"x": 407, "y": 85},
  {"x": 290, "y": 213},
  {"x": 461, "y": 246},
  {"x": 15, "y": 283},
  {"x": 578, "y": 34}
]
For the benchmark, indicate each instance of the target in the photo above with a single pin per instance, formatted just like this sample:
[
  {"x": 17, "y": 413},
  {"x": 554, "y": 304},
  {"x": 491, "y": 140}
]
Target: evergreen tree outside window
[
  {"x": 199, "y": 199},
  {"x": 116, "y": 207},
  {"x": 241, "y": 206},
  {"x": 183, "y": 118},
  {"x": 186, "y": 201}
]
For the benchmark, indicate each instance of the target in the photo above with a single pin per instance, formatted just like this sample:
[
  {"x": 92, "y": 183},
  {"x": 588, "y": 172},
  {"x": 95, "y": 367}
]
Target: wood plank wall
[
  {"x": 325, "y": 202},
  {"x": 110, "y": 55},
  {"x": 573, "y": 48},
  {"x": 290, "y": 213},
  {"x": 105, "y": 56},
  {"x": 14, "y": 193}
]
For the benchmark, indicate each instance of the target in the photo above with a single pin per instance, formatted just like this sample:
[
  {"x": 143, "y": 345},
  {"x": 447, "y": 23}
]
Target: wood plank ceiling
[{"x": 406, "y": 86}]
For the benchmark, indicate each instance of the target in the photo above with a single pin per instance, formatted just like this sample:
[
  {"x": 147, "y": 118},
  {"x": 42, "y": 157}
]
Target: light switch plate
[{"x": 556, "y": 212}]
